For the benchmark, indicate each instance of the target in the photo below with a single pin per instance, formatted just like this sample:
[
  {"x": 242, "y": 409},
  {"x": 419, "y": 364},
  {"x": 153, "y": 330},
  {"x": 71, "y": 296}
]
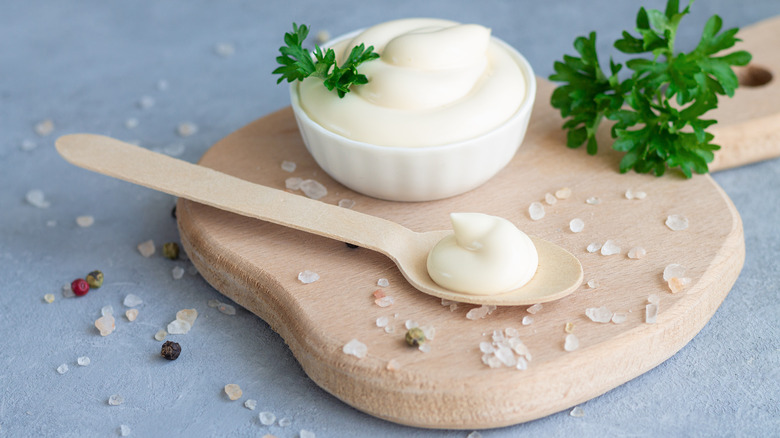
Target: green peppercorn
[
  {"x": 171, "y": 250},
  {"x": 415, "y": 337},
  {"x": 95, "y": 279},
  {"x": 170, "y": 350}
]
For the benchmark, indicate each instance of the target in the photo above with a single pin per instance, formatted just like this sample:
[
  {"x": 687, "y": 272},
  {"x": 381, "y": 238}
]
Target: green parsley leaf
[
  {"x": 658, "y": 110},
  {"x": 297, "y": 63}
]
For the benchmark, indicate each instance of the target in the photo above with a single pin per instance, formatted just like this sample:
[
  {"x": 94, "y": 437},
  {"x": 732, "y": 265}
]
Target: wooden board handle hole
[{"x": 753, "y": 75}]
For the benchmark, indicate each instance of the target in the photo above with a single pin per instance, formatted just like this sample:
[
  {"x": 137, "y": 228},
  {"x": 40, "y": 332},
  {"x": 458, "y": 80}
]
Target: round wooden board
[{"x": 257, "y": 264}]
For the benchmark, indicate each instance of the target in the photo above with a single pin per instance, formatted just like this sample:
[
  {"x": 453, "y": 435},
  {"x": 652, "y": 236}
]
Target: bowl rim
[{"x": 522, "y": 111}]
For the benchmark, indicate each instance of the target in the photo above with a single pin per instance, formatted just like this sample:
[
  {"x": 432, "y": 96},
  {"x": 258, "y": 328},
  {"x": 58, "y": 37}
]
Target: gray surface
[{"x": 85, "y": 64}]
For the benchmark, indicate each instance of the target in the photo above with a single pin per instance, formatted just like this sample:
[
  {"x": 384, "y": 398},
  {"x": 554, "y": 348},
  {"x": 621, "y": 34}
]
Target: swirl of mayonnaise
[
  {"x": 487, "y": 255},
  {"x": 436, "y": 82}
]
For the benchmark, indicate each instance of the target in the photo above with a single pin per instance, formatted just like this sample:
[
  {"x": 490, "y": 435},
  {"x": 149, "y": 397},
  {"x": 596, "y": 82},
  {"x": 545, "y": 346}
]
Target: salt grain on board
[
  {"x": 186, "y": 129},
  {"x": 594, "y": 247},
  {"x": 610, "y": 247},
  {"x": 593, "y": 201},
  {"x": 36, "y": 198},
  {"x": 536, "y": 211},
  {"x": 563, "y": 193},
  {"x": 576, "y": 225},
  {"x": 599, "y": 314},
  {"x": 534, "y": 309},
  {"x": 85, "y": 221},
  {"x": 313, "y": 189},
  {"x": 355, "y": 348},
  {"x": 677, "y": 222},
  {"x": 571, "y": 342},
  {"x": 619, "y": 318},
  {"x": 44, "y": 127},
  {"x": 651, "y": 313},
  {"x": 293, "y": 183},
  {"x": 308, "y": 277},
  {"x": 674, "y": 270},
  {"x": 550, "y": 199},
  {"x": 289, "y": 166},
  {"x": 636, "y": 253}
]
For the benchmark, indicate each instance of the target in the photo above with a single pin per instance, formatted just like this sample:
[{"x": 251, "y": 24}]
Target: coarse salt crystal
[
  {"x": 571, "y": 342},
  {"x": 284, "y": 422},
  {"x": 36, "y": 198},
  {"x": 308, "y": 277},
  {"x": 383, "y": 282},
  {"x": 355, "y": 348},
  {"x": 160, "y": 335},
  {"x": 83, "y": 361},
  {"x": 630, "y": 194},
  {"x": 536, "y": 211},
  {"x": 62, "y": 369},
  {"x": 179, "y": 327},
  {"x": 429, "y": 331},
  {"x": 636, "y": 253},
  {"x": 124, "y": 430},
  {"x": 677, "y": 284},
  {"x": 410, "y": 324},
  {"x": 651, "y": 313},
  {"x": 146, "y": 248},
  {"x": 576, "y": 225},
  {"x": 389, "y": 329},
  {"x": 49, "y": 298},
  {"x": 379, "y": 293},
  {"x": 85, "y": 221},
  {"x": 610, "y": 248},
  {"x": 224, "y": 50},
  {"x": 385, "y": 301},
  {"x": 227, "y": 309},
  {"x": 131, "y": 314},
  {"x": 569, "y": 327},
  {"x": 593, "y": 247},
  {"x": 187, "y": 315},
  {"x": 289, "y": 166},
  {"x": 146, "y": 102},
  {"x": 313, "y": 189},
  {"x": 653, "y": 298},
  {"x": 213, "y": 303},
  {"x": 593, "y": 201},
  {"x": 477, "y": 313},
  {"x": 233, "y": 391},
  {"x": 267, "y": 418},
  {"x": 131, "y": 123},
  {"x": 619, "y": 317},
  {"x": 550, "y": 199},
  {"x": 425, "y": 348},
  {"x": 105, "y": 324},
  {"x": 186, "y": 129},
  {"x": 44, "y": 127},
  {"x": 486, "y": 347},
  {"x": 132, "y": 300},
  {"x": 346, "y": 203},
  {"x": 393, "y": 365},
  {"x": 674, "y": 270},
  {"x": 577, "y": 412},
  {"x": 116, "y": 400},
  {"x": 107, "y": 310},
  {"x": 563, "y": 193},
  {"x": 677, "y": 222},
  {"x": 382, "y": 321},
  {"x": 306, "y": 434},
  {"x": 522, "y": 364},
  {"x": 527, "y": 320},
  {"x": 172, "y": 150},
  {"x": 593, "y": 283},
  {"x": 599, "y": 314},
  {"x": 177, "y": 272},
  {"x": 293, "y": 183},
  {"x": 67, "y": 291},
  {"x": 28, "y": 145},
  {"x": 534, "y": 309}
]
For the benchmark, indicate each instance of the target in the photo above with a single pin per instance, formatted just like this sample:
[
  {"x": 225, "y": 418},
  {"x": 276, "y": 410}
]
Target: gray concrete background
[{"x": 85, "y": 64}]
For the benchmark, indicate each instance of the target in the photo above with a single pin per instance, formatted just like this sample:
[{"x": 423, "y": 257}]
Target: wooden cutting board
[{"x": 257, "y": 264}]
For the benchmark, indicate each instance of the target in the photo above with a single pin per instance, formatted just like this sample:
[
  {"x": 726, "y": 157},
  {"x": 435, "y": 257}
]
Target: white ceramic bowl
[{"x": 420, "y": 173}]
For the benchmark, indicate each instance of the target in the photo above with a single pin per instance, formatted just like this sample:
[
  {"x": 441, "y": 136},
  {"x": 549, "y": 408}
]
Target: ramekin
[{"x": 417, "y": 173}]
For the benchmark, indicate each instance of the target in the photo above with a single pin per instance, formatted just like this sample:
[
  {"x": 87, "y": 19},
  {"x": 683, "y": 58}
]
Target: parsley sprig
[
  {"x": 297, "y": 63},
  {"x": 657, "y": 110}
]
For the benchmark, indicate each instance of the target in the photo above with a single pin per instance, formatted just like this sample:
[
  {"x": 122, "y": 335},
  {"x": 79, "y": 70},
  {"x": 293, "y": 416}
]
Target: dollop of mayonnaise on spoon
[{"x": 487, "y": 255}]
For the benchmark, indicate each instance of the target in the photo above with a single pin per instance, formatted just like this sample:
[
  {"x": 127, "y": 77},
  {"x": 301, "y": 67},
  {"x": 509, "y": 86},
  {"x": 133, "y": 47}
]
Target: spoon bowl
[{"x": 559, "y": 272}]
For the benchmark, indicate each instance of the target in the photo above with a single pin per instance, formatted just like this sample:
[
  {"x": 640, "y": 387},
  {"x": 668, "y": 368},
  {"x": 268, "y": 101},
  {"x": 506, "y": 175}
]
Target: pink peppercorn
[{"x": 79, "y": 286}]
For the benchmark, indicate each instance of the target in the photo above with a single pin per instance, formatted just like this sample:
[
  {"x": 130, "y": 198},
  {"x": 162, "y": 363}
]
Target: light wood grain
[{"x": 256, "y": 264}]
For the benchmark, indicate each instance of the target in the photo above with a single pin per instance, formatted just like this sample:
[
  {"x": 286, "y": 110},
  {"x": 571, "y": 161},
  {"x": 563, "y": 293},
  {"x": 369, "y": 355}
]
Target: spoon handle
[{"x": 180, "y": 178}]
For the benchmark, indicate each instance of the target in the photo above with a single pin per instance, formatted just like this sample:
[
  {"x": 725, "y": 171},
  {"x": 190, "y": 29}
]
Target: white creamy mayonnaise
[
  {"x": 436, "y": 82},
  {"x": 487, "y": 255}
]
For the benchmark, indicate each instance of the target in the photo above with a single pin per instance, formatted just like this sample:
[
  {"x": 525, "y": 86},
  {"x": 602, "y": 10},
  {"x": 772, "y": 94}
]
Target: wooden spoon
[{"x": 559, "y": 272}]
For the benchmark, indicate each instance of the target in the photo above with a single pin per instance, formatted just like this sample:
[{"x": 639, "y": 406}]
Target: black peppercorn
[{"x": 170, "y": 350}]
